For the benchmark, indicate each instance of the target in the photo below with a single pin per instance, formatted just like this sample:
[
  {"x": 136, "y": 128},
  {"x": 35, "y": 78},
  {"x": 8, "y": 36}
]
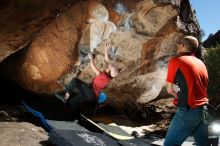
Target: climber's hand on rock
[{"x": 91, "y": 56}]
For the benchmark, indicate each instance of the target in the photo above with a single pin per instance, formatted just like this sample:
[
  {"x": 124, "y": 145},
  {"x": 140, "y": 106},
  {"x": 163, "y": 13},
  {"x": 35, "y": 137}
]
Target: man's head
[
  {"x": 112, "y": 70},
  {"x": 188, "y": 44}
]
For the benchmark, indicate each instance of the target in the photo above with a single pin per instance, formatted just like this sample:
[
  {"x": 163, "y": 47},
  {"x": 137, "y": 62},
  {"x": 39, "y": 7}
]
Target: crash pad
[{"x": 84, "y": 131}]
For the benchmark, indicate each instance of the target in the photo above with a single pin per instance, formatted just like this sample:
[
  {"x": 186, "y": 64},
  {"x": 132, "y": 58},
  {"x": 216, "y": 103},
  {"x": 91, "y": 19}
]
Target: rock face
[
  {"x": 54, "y": 43},
  {"x": 20, "y": 21}
]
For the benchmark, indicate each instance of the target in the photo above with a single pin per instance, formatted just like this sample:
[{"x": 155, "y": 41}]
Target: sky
[{"x": 208, "y": 15}]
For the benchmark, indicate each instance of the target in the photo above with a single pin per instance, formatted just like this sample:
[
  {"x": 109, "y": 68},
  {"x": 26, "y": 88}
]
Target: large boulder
[{"x": 143, "y": 36}]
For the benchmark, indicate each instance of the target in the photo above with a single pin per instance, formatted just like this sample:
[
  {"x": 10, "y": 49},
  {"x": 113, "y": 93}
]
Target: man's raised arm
[
  {"x": 107, "y": 46},
  {"x": 92, "y": 64}
]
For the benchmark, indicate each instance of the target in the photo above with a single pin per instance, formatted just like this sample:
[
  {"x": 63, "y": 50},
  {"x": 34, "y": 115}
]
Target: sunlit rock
[{"x": 143, "y": 35}]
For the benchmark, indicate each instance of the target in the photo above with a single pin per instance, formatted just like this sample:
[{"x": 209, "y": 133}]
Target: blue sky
[{"x": 208, "y": 15}]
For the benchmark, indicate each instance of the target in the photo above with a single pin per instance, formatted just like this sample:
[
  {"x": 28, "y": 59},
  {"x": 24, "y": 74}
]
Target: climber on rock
[{"x": 77, "y": 91}]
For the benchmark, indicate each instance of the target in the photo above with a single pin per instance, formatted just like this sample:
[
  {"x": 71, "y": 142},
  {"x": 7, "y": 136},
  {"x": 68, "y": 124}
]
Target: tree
[{"x": 212, "y": 60}]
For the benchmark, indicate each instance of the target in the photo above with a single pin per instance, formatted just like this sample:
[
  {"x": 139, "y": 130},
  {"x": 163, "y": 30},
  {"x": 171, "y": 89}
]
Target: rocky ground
[{"x": 20, "y": 128}]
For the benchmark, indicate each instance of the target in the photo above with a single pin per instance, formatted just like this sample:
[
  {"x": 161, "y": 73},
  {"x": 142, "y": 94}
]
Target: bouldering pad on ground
[{"x": 82, "y": 132}]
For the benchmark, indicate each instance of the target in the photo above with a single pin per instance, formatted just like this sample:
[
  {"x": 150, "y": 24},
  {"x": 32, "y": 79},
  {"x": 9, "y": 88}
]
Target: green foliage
[{"x": 212, "y": 60}]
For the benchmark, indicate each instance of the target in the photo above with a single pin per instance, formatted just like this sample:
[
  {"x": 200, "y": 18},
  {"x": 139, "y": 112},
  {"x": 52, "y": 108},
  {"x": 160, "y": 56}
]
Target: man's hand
[
  {"x": 91, "y": 56},
  {"x": 66, "y": 97},
  {"x": 93, "y": 66},
  {"x": 107, "y": 45},
  {"x": 170, "y": 90}
]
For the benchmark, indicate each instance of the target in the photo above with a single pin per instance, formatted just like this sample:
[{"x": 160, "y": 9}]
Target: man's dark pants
[{"x": 85, "y": 93}]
